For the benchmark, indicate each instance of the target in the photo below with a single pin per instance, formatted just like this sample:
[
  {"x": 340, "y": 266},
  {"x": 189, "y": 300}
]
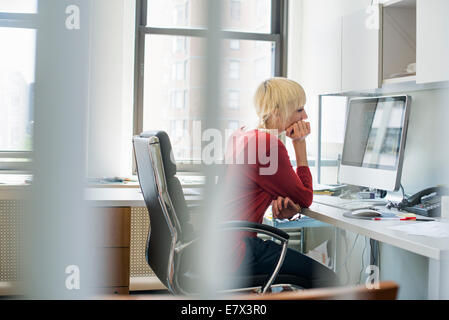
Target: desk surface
[
  {"x": 98, "y": 197},
  {"x": 123, "y": 197},
  {"x": 323, "y": 209},
  {"x": 433, "y": 248},
  {"x": 378, "y": 230}
]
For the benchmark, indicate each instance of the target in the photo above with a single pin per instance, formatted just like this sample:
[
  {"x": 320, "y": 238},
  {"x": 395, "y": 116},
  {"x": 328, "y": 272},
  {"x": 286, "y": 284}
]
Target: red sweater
[{"x": 251, "y": 191}]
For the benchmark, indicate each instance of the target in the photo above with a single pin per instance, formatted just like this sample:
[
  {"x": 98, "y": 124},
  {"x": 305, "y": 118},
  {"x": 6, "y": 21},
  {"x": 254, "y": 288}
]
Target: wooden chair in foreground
[{"x": 387, "y": 290}]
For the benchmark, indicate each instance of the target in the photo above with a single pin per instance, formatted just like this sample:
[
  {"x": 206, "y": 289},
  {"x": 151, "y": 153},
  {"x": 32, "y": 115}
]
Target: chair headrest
[{"x": 166, "y": 150}]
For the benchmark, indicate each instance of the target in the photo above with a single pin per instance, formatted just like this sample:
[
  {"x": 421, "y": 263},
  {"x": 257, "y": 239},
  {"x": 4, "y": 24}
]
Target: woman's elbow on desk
[
  {"x": 305, "y": 199},
  {"x": 308, "y": 199}
]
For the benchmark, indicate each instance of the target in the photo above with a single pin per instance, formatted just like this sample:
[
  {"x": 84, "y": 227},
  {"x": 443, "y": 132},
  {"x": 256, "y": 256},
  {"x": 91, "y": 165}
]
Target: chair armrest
[
  {"x": 264, "y": 229},
  {"x": 256, "y": 227},
  {"x": 246, "y": 226}
]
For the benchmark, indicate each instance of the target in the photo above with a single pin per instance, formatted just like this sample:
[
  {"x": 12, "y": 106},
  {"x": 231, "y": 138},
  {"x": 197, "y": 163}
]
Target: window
[
  {"x": 171, "y": 65},
  {"x": 332, "y": 131},
  {"x": 233, "y": 125},
  {"x": 179, "y": 44},
  {"x": 17, "y": 65},
  {"x": 234, "y": 70},
  {"x": 177, "y": 128},
  {"x": 22, "y": 6},
  {"x": 260, "y": 67},
  {"x": 181, "y": 14},
  {"x": 235, "y": 9},
  {"x": 178, "y": 99},
  {"x": 234, "y": 44},
  {"x": 261, "y": 10},
  {"x": 249, "y": 15},
  {"x": 234, "y": 99},
  {"x": 180, "y": 70}
]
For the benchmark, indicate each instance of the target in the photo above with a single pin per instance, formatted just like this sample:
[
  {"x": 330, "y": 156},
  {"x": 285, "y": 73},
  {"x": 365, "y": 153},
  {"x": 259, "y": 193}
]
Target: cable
[
  {"x": 378, "y": 254},
  {"x": 373, "y": 252},
  {"x": 363, "y": 254},
  {"x": 346, "y": 250},
  {"x": 347, "y": 258},
  {"x": 404, "y": 203}
]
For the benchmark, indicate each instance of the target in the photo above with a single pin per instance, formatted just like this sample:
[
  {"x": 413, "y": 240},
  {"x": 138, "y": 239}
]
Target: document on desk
[{"x": 427, "y": 229}]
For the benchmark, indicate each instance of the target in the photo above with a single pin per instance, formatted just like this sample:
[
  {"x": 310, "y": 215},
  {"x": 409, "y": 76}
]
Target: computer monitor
[{"x": 373, "y": 151}]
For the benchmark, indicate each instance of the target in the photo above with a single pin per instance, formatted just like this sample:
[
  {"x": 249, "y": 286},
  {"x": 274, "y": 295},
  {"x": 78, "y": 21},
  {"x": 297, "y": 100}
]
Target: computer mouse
[{"x": 366, "y": 213}]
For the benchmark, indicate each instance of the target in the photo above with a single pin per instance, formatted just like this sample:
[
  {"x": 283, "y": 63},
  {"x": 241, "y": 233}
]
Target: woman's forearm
[{"x": 301, "y": 153}]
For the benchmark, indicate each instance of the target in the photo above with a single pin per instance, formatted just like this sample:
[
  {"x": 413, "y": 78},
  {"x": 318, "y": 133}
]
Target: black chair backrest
[{"x": 164, "y": 198}]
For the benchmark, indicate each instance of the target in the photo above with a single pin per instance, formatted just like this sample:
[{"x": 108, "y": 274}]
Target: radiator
[
  {"x": 11, "y": 226},
  {"x": 11, "y": 232}
]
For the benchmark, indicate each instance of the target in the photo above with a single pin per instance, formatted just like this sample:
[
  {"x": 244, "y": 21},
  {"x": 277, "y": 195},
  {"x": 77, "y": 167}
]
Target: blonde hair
[{"x": 278, "y": 97}]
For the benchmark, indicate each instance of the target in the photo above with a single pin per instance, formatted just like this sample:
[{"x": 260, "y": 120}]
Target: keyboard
[{"x": 348, "y": 204}]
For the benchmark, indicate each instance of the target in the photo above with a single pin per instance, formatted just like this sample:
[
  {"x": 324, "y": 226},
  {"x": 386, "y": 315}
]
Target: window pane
[
  {"x": 18, "y": 6},
  {"x": 177, "y": 13},
  {"x": 234, "y": 99},
  {"x": 234, "y": 44},
  {"x": 234, "y": 69},
  {"x": 233, "y": 125},
  {"x": 238, "y": 15},
  {"x": 174, "y": 104},
  {"x": 247, "y": 15},
  {"x": 179, "y": 44},
  {"x": 17, "y": 58},
  {"x": 333, "y": 121}
]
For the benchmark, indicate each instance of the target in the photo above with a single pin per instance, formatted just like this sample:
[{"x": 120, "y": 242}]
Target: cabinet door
[
  {"x": 361, "y": 50},
  {"x": 432, "y": 57}
]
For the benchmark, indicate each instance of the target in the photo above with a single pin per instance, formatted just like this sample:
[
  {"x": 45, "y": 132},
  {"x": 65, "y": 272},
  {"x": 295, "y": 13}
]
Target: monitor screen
[{"x": 373, "y": 133}]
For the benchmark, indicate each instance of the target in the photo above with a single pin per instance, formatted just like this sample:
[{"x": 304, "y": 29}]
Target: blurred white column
[
  {"x": 58, "y": 258},
  {"x": 213, "y": 243}
]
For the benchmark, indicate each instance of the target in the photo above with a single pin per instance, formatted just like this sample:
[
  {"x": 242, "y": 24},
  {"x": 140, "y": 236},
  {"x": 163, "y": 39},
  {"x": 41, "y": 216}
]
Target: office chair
[{"x": 171, "y": 233}]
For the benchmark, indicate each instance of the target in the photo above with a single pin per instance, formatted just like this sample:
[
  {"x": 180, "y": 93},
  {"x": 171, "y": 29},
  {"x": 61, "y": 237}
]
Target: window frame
[
  {"x": 278, "y": 34},
  {"x": 22, "y": 160}
]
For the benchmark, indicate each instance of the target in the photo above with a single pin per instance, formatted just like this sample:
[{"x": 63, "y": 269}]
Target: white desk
[
  {"x": 99, "y": 196},
  {"x": 437, "y": 250},
  {"x": 123, "y": 197}
]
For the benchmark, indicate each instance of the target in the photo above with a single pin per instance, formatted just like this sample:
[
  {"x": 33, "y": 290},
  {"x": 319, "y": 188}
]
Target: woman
[{"x": 279, "y": 105}]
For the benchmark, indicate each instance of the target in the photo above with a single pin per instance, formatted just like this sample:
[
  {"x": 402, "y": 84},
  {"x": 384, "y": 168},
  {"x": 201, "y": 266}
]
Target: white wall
[
  {"x": 314, "y": 25},
  {"x": 314, "y": 60},
  {"x": 111, "y": 88},
  {"x": 427, "y": 155}
]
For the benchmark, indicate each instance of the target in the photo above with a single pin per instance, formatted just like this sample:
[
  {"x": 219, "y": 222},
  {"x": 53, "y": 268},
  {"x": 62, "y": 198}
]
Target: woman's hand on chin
[
  {"x": 298, "y": 131},
  {"x": 284, "y": 208}
]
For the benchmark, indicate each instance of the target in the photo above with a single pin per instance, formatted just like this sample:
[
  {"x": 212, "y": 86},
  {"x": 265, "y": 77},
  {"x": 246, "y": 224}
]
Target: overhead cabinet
[
  {"x": 433, "y": 41},
  {"x": 361, "y": 45},
  {"x": 399, "y": 41}
]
